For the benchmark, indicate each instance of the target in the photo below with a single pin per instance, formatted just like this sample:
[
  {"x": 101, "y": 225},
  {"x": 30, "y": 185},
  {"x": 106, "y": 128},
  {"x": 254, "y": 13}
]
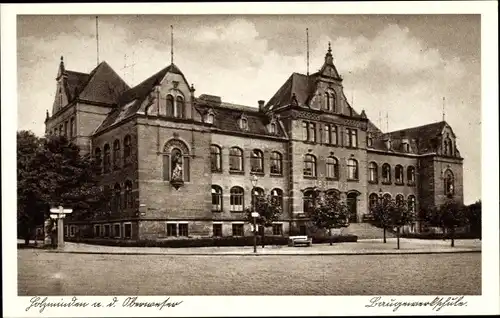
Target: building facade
[{"x": 175, "y": 164}]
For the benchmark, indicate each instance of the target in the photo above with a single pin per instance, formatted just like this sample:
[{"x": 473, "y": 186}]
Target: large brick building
[{"x": 176, "y": 164}]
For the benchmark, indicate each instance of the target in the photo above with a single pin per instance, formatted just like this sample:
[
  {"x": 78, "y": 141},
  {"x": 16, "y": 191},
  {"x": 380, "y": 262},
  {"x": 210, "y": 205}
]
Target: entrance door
[{"x": 352, "y": 204}]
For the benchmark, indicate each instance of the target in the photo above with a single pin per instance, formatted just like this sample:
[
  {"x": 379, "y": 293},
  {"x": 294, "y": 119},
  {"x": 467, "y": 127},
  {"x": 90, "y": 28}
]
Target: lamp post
[{"x": 255, "y": 214}]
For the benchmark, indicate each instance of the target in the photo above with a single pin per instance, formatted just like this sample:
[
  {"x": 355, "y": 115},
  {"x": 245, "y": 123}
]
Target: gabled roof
[
  {"x": 103, "y": 85},
  {"x": 131, "y": 100}
]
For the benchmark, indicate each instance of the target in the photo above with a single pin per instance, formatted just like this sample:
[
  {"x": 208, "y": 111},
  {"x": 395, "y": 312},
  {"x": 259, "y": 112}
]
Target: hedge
[
  {"x": 440, "y": 236},
  {"x": 206, "y": 242}
]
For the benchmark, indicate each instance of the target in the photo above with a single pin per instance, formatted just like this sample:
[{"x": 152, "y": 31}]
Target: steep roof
[
  {"x": 131, "y": 100},
  {"x": 104, "y": 85},
  {"x": 296, "y": 84},
  {"x": 423, "y": 139},
  {"x": 75, "y": 83},
  {"x": 227, "y": 116}
]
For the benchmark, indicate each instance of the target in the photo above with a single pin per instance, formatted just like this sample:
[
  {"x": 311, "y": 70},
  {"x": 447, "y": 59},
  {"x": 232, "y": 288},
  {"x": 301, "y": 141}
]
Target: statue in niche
[{"x": 176, "y": 165}]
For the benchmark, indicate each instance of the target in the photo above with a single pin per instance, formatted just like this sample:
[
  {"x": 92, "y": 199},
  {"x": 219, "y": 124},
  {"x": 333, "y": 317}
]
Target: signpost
[{"x": 59, "y": 214}]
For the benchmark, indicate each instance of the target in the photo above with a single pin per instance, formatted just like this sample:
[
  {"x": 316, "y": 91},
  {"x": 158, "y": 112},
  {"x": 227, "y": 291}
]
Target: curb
[{"x": 268, "y": 254}]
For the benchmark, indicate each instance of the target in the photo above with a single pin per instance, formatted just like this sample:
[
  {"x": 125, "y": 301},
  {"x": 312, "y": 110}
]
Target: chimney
[{"x": 261, "y": 105}]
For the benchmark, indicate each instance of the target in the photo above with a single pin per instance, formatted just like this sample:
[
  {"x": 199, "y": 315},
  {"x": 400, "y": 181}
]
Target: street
[{"x": 44, "y": 273}]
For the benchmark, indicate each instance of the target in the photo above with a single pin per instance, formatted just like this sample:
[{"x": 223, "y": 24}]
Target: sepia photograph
[{"x": 188, "y": 154}]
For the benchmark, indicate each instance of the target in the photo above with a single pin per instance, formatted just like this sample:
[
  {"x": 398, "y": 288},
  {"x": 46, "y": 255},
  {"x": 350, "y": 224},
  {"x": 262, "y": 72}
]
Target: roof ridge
[{"x": 417, "y": 127}]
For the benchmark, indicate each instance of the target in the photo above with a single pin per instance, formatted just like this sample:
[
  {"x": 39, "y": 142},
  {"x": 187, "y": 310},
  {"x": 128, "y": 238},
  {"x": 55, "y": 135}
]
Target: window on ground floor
[
  {"x": 171, "y": 229},
  {"x": 183, "y": 229},
  {"x": 72, "y": 230},
  {"x": 116, "y": 230},
  {"x": 217, "y": 230},
  {"x": 237, "y": 229},
  {"x": 97, "y": 230},
  {"x": 106, "y": 230},
  {"x": 277, "y": 229},
  {"x": 66, "y": 230},
  {"x": 127, "y": 230}
]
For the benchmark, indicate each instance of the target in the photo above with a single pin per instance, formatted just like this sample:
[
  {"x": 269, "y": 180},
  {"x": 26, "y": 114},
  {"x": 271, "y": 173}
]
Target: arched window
[
  {"x": 352, "y": 168},
  {"x": 372, "y": 172},
  {"x": 412, "y": 203},
  {"x": 332, "y": 168},
  {"x": 243, "y": 123},
  {"x": 107, "y": 158},
  {"x": 216, "y": 198},
  {"x": 127, "y": 200},
  {"x": 400, "y": 199},
  {"x": 386, "y": 173},
  {"x": 333, "y": 103},
  {"x": 449, "y": 183},
  {"x": 276, "y": 163},
  {"x": 327, "y": 101},
  {"x": 98, "y": 160},
  {"x": 256, "y": 193},
  {"x": 235, "y": 159},
  {"x": 309, "y": 166},
  {"x": 277, "y": 196},
  {"x": 72, "y": 128},
  {"x": 236, "y": 199},
  {"x": 369, "y": 140},
  {"x": 117, "y": 198},
  {"x": 257, "y": 161},
  {"x": 399, "y": 174},
  {"x": 372, "y": 201},
  {"x": 116, "y": 154},
  {"x": 387, "y": 197},
  {"x": 215, "y": 158},
  {"x": 410, "y": 175},
  {"x": 309, "y": 200},
  {"x": 127, "y": 150},
  {"x": 272, "y": 128},
  {"x": 170, "y": 105},
  {"x": 210, "y": 118},
  {"x": 179, "y": 107}
]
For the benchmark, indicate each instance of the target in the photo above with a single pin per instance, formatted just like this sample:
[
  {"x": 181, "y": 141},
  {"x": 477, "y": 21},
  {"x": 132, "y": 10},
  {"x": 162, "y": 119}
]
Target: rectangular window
[
  {"x": 66, "y": 231},
  {"x": 97, "y": 230},
  {"x": 217, "y": 230},
  {"x": 171, "y": 229},
  {"x": 238, "y": 230},
  {"x": 66, "y": 128},
  {"x": 328, "y": 136},
  {"x": 116, "y": 230},
  {"x": 183, "y": 229},
  {"x": 305, "y": 131},
  {"x": 312, "y": 132},
  {"x": 277, "y": 229},
  {"x": 72, "y": 230},
  {"x": 352, "y": 135},
  {"x": 106, "y": 230},
  {"x": 127, "y": 230}
]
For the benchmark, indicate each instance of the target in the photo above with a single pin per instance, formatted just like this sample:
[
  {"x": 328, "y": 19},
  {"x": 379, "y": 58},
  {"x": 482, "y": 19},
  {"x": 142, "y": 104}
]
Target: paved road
[{"x": 44, "y": 273}]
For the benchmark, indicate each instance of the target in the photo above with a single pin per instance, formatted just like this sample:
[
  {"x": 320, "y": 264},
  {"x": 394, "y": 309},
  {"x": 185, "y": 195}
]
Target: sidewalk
[{"x": 362, "y": 247}]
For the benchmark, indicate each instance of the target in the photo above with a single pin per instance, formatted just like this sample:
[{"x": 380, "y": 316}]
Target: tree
[
  {"x": 400, "y": 215},
  {"x": 50, "y": 174},
  {"x": 31, "y": 208},
  {"x": 269, "y": 209},
  {"x": 381, "y": 212},
  {"x": 450, "y": 215},
  {"x": 474, "y": 217},
  {"x": 330, "y": 213}
]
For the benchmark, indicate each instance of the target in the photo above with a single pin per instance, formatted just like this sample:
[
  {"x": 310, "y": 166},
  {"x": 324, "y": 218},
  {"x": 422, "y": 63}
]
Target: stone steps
[{"x": 366, "y": 231}]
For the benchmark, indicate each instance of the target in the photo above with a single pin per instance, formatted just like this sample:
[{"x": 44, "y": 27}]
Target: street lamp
[{"x": 255, "y": 214}]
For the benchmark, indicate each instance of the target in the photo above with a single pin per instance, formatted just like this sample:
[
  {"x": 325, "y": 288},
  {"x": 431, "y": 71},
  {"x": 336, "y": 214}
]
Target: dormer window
[
  {"x": 369, "y": 140},
  {"x": 210, "y": 118},
  {"x": 243, "y": 123},
  {"x": 272, "y": 128}
]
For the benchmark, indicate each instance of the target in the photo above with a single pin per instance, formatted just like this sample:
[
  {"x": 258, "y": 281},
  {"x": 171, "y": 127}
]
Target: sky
[{"x": 400, "y": 65}]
